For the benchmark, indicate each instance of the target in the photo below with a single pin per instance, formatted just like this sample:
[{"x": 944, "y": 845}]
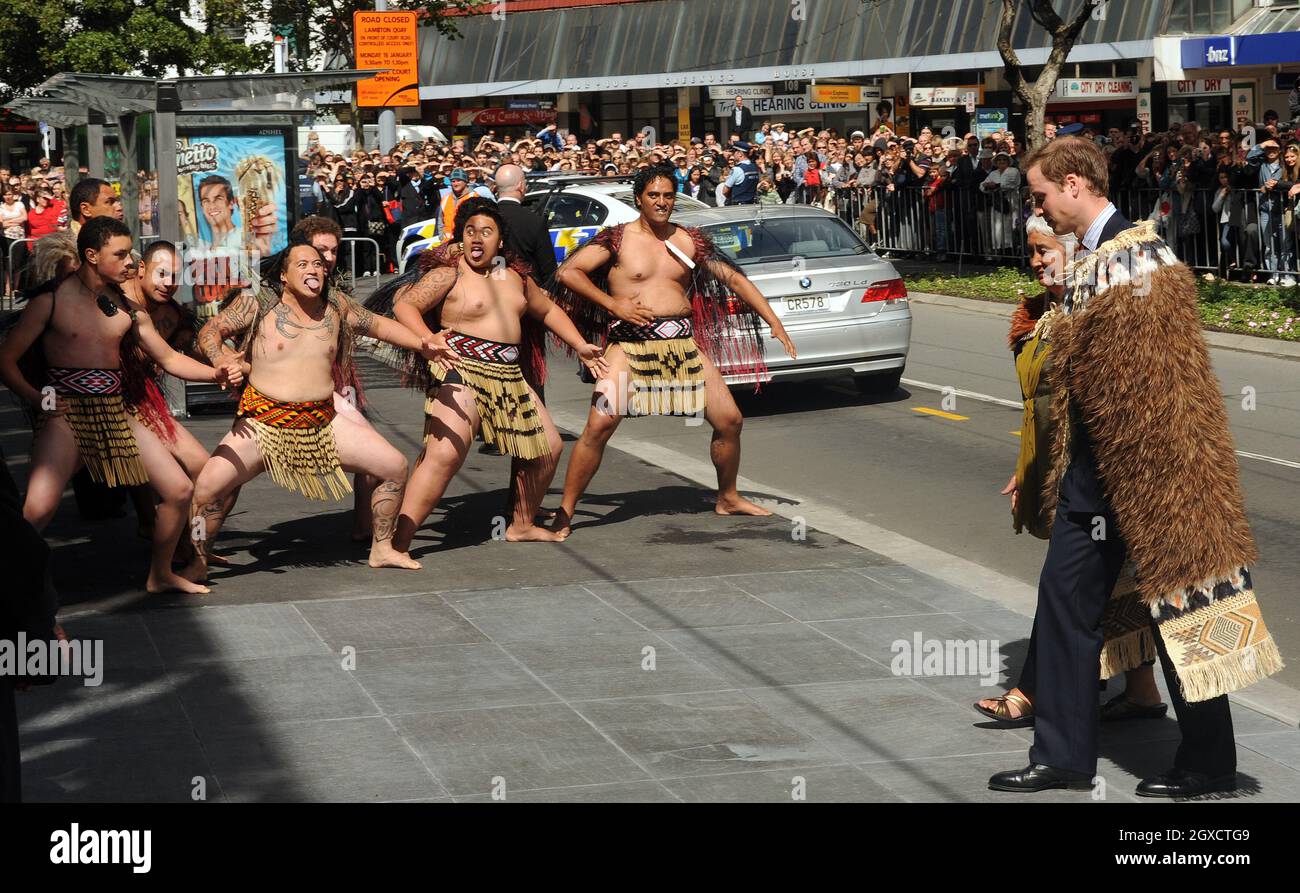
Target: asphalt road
[{"x": 888, "y": 461}]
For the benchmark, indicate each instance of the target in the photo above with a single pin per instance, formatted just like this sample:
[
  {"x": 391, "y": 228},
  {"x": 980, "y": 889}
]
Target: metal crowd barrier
[
  {"x": 352, "y": 254},
  {"x": 15, "y": 275},
  {"x": 968, "y": 225},
  {"x": 957, "y": 223},
  {"x": 1255, "y": 239}
]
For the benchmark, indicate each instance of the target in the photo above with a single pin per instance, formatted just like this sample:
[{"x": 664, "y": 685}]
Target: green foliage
[
  {"x": 323, "y": 28},
  {"x": 39, "y": 38},
  {"x": 1224, "y": 306}
]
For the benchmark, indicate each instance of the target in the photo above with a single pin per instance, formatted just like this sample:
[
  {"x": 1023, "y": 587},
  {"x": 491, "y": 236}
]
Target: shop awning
[
  {"x": 1272, "y": 21},
  {"x": 688, "y": 42}
]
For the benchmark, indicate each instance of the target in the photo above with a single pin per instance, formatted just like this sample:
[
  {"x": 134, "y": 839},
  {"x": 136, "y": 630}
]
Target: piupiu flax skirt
[
  {"x": 667, "y": 374},
  {"x": 97, "y": 416},
  {"x": 297, "y": 443},
  {"x": 510, "y": 419}
]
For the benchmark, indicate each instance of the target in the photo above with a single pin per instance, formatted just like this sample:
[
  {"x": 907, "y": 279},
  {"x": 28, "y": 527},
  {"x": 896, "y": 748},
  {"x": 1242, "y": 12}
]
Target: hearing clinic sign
[
  {"x": 386, "y": 40},
  {"x": 806, "y": 102}
]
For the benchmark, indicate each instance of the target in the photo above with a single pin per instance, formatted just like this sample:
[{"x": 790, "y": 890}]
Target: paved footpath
[{"x": 662, "y": 654}]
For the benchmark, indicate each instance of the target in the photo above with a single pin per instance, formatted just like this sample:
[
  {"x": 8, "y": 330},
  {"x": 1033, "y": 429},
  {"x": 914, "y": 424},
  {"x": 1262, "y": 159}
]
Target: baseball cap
[
  {"x": 856, "y": 134},
  {"x": 459, "y": 174},
  {"x": 1069, "y": 129}
]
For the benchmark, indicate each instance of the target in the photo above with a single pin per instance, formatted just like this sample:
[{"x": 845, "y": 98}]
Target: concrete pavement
[{"x": 663, "y": 653}]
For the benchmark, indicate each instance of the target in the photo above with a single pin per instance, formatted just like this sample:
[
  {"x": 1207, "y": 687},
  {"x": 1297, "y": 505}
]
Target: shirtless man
[
  {"x": 153, "y": 292},
  {"x": 480, "y": 301},
  {"x": 81, "y": 327},
  {"x": 646, "y": 274},
  {"x": 327, "y": 237},
  {"x": 287, "y": 424}
]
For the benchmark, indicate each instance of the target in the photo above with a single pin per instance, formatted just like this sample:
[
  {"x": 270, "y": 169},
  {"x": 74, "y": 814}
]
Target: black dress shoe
[
  {"x": 1037, "y": 777},
  {"x": 1183, "y": 783}
]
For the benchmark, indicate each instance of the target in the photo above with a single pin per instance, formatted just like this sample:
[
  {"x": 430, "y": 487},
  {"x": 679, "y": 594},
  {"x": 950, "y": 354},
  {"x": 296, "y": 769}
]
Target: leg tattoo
[{"x": 384, "y": 504}]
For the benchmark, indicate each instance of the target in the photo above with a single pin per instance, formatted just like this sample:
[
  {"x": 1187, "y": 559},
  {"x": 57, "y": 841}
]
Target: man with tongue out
[
  {"x": 296, "y": 331},
  {"x": 491, "y": 315}
]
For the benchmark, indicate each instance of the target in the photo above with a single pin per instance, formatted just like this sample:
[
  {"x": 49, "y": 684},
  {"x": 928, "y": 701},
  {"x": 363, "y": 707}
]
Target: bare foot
[
  {"x": 196, "y": 571},
  {"x": 533, "y": 534},
  {"x": 738, "y": 505},
  {"x": 174, "y": 583},
  {"x": 384, "y": 555},
  {"x": 561, "y": 526}
]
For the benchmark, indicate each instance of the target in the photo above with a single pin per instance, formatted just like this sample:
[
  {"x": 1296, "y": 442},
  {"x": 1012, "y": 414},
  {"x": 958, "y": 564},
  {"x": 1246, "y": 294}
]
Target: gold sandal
[{"x": 1001, "y": 713}]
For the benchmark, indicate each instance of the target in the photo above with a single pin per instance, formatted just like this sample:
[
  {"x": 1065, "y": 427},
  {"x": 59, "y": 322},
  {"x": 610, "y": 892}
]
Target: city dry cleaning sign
[{"x": 386, "y": 40}]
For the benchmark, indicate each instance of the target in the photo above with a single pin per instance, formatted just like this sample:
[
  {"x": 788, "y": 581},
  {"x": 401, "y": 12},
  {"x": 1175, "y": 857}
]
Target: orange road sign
[{"x": 387, "y": 40}]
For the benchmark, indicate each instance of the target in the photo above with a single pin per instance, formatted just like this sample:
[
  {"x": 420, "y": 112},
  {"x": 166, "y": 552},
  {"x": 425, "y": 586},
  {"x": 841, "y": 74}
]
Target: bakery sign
[{"x": 1083, "y": 89}]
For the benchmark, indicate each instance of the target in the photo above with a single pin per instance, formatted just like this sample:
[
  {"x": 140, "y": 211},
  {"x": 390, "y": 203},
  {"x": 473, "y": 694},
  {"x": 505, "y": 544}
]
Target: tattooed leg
[
  {"x": 384, "y": 504},
  {"x": 235, "y": 461},
  {"x": 363, "y": 450}
]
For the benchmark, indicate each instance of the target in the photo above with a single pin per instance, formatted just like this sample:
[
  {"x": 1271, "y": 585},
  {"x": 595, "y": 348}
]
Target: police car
[{"x": 575, "y": 208}]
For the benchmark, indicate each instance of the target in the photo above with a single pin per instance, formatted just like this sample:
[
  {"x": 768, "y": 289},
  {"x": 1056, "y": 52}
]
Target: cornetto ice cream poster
[
  {"x": 223, "y": 182},
  {"x": 233, "y": 207}
]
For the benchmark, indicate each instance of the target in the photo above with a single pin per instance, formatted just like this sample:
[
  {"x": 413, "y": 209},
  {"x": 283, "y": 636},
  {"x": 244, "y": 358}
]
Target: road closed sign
[{"x": 387, "y": 40}]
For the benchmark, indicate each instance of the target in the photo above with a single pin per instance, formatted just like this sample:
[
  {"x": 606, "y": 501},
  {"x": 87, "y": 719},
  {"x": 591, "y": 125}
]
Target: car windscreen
[
  {"x": 682, "y": 202},
  {"x": 783, "y": 237}
]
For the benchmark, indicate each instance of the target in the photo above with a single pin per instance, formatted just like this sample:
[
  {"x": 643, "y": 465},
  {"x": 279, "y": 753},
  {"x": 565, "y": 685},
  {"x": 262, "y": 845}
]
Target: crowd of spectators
[{"x": 35, "y": 204}]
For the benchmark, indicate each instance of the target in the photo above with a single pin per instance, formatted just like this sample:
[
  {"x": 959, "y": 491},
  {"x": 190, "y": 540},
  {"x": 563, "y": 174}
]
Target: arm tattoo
[
  {"x": 361, "y": 319},
  {"x": 429, "y": 289},
  {"x": 235, "y": 318}
]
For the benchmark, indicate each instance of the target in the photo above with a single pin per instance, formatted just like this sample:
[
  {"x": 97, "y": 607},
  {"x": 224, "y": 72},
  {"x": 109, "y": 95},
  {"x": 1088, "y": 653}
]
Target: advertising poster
[
  {"x": 990, "y": 121},
  {"x": 234, "y": 208}
]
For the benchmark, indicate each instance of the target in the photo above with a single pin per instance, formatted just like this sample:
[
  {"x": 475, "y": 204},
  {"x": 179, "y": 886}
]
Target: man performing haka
[
  {"x": 295, "y": 332},
  {"x": 666, "y": 299},
  {"x": 85, "y": 326},
  {"x": 481, "y": 296},
  {"x": 326, "y": 236}
]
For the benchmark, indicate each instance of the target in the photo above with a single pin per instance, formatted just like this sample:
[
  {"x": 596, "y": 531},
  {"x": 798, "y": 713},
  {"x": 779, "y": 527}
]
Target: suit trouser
[{"x": 1083, "y": 563}]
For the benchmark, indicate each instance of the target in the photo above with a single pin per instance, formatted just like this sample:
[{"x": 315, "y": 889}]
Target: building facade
[{"x": 601, "y": 66}]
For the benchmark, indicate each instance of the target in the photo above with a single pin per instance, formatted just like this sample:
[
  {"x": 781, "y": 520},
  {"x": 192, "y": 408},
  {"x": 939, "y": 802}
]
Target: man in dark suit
[
  {"x": 1081, "y": 567},
  {"x": 742, "y": 119},
  {"x": 528, "y": 237}
]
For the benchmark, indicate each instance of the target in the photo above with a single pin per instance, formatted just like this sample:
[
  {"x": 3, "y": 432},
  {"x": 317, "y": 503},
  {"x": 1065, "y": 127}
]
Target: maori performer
[
  {"x": 492, "y": 315},
  {"x": 84, "y": 326},
  {"x": 295, "y": 330},
  {"x": 672, "y": 309},
  {"x": 1142, "y": 467},
  {"x": 326, "y": 236},
  {"x": 153, "y": 292}
]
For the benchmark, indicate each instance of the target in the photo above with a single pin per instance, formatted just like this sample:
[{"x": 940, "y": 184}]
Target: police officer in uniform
[{"x": 741, "y": 187}]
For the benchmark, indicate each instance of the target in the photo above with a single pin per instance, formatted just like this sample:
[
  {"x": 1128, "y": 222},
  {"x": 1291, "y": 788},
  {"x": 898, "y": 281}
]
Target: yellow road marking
[{"x": 941, "y": 414}]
